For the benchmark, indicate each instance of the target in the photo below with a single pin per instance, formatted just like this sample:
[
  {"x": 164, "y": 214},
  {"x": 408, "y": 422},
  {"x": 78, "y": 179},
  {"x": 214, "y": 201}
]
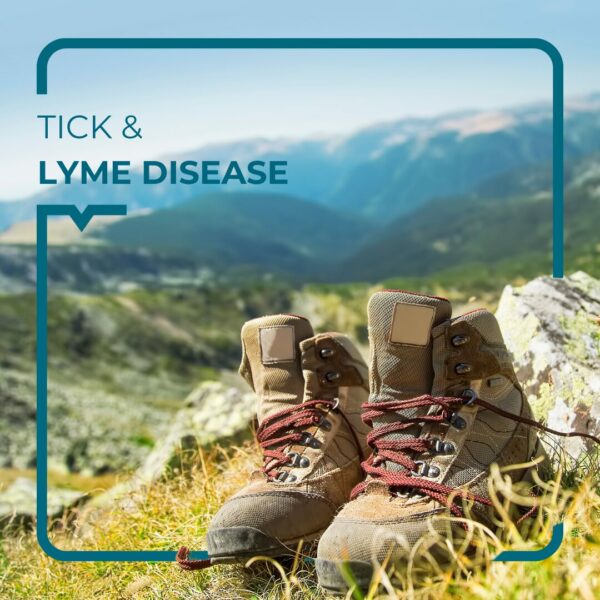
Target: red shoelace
[
  {"x": 402, "y": 451},
  {"x": 284, "y": 428}
]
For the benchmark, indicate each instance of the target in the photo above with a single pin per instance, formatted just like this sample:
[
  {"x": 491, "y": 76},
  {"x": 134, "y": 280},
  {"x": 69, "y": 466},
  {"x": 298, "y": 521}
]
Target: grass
[
  {"x": 59, "y": 479},
  {"x": 177, "y": 510}
]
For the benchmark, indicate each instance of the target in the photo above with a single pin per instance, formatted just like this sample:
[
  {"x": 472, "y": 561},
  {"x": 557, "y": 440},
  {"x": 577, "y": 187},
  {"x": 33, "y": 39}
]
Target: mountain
[
  {"x": 274, "y": 232},
  {"x": 537, "y": 179},
  {"x": 458, "y": 156},
  {"x": 501, "y": 230},
  {"x": 382, "y": 171},
  {"x": 478, "y": 230}
]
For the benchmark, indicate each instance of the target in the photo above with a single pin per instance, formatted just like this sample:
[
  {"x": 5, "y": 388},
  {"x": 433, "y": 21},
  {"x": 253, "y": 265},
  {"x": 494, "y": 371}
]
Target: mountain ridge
[
  {"x": 284, "y": 234},
  {"x": 385, "y": 169}
]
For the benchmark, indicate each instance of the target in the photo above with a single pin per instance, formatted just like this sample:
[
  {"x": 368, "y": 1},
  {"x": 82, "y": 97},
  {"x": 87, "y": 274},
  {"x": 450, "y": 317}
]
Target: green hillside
[
  {"x": 515, "y": 233},
  {"x": 119, "y": 366},
  {"x": 280, "y": 233}
]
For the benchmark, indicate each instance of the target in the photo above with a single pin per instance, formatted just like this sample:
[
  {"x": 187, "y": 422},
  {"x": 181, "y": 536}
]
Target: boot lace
[
  {"x": 404, "y": 452},
  {"x": 287, "y": 427}
]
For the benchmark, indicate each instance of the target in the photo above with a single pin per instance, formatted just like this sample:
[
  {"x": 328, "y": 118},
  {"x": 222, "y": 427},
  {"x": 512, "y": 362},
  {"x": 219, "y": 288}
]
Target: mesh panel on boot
[
  {"x": 400, "y": 340},
  {"x": 401, "y": 370}
]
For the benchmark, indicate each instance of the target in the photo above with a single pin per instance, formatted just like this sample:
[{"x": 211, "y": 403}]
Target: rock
[
  {"x": 213, "y": 411},
  {"x": 552, "y": 328},
  {"x": 18, "y": 502},
  {"x": 90, "y": 431}
]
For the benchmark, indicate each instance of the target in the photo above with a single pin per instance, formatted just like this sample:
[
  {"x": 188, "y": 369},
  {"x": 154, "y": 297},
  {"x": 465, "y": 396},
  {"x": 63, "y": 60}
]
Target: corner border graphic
[
  {"x": 82, "y": 218},
  {"x": 547, "y": 551}
]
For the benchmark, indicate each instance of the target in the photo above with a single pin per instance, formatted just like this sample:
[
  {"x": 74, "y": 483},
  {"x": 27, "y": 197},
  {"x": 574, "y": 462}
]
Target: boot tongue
[
  {"x": 271, "y": 361},
  {"x": 400, "y": 325}
]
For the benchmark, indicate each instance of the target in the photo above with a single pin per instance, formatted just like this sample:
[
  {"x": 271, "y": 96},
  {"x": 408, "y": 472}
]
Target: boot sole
[
  {"x": 236, "y": 544},
  {"x": 331, "y": 579}
]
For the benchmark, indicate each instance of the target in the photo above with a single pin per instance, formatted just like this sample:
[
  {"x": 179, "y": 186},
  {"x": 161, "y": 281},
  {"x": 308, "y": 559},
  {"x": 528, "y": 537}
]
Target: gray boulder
[
  {"x": 18, "y": 503},
  {"x": 552, "y": 328},
  {"x": 212, "y": 412}
]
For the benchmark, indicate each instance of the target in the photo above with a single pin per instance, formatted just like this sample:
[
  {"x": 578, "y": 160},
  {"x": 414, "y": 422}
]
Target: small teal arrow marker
[{"x": 535, "y": 555}]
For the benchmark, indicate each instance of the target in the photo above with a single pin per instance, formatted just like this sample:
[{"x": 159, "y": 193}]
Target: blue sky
[{"x": 187, "y": 98}]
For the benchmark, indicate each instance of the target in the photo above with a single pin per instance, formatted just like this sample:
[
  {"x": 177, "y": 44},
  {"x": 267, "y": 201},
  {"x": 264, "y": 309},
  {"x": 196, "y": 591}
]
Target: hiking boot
[
  {"x": 310, "y": 390},
  {"x": 444, "y": 405}
]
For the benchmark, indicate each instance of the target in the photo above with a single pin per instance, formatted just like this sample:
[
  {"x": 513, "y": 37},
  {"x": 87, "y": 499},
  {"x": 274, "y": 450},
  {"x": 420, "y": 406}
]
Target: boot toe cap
[
  {"x": 369, "y": 542},
  {"x": 241, "y": 542},
  {"x": 264, "y": 523},
  {"x": 368, "y": 532}
]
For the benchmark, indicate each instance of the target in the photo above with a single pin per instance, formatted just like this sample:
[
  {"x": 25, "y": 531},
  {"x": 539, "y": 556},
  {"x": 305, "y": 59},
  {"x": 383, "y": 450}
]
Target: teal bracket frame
[
  {"x": 558, "y": 532},
  {"x": 82, "y": 218}
]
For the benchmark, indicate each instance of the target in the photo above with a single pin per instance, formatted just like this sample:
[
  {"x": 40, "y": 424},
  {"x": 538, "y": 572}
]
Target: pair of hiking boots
[{"x": 444, "y": 405}]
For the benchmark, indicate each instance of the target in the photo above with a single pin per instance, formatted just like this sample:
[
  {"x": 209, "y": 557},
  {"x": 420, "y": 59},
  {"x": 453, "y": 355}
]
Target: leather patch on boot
[
  {"x": 277, "y": 344},
  {"x": 411, "y": 324}
]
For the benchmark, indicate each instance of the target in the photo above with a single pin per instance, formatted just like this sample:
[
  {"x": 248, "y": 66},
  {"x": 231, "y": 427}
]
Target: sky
[{"x": 187, "y": 98}]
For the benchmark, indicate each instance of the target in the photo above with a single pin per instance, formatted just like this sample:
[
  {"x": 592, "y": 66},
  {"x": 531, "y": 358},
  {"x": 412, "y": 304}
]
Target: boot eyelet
[
  {"x": 433, "y": 471},
  {"x": 425, "y": 470},
  {"x": 462, "y": 368},
  {"x": 297, "y": 460},
  {"x": 291, "y": 478},
  {"x": 326, "y": 352},
  {"x": 459, "y": 340},
  {"x": 440, "y": 447},
  {"x": 332, "y": 376},
  {"x": 310, "y": 440},
  {"x": 470, "y": 396},
  {"x": 457, "y": 421},
  {"x": 324, "y": 424},
  {"x": 281, "y": 476},
  {"x": 421, "y": 469}
]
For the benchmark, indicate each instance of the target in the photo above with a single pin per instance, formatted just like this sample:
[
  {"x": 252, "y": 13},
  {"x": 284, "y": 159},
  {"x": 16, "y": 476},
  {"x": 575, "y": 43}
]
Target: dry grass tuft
[{"x": 177, "y": 511}]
